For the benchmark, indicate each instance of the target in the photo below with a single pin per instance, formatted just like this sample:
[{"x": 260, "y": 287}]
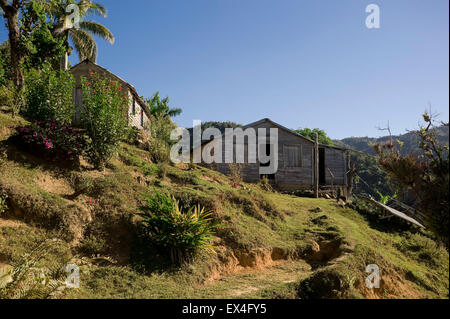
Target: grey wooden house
[
  {"x": 302, "y": 163},
  {"x": 138, "y": 112}
]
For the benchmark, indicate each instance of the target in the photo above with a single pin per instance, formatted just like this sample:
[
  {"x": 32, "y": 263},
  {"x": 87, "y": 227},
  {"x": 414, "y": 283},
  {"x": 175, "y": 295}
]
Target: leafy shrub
[
  {"x": 104, "y": 115},
  {"x": 182, "y": 233},
  {"x": 236, "y": 174},
  {"x": 93, "y": 245},
  {"x": 149, "y": 168},
  {"x": 54, "y": 140},
  {"x": 264, "y": 183},
  {"x": 131, "y": 135},
  {"x": 12, "y": 97},
  {"x": 48, "y": 95},
  {"x": 3, "y": 204},
  {"x": 160, "y": 142},
  {"x": 6, "y": 95}
]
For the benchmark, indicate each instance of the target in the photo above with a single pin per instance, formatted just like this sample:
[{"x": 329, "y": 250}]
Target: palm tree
[
  {"x": 82, "y": 37},
  {"x": 160, "y": 107}
]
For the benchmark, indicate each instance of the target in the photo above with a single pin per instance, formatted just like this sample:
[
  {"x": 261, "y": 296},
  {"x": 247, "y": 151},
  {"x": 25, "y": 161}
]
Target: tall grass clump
[{"x": 182, "y": 232}]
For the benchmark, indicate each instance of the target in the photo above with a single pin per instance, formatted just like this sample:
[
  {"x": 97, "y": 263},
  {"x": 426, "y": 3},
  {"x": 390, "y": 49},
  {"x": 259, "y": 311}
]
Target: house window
[
  {"x": 133, "y": 108},
  {"x": 292, "y": 156},
  {"x": 142, "y": 117}
]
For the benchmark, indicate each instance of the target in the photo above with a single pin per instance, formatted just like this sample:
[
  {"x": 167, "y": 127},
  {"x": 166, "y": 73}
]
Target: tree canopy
[{"x": 311, "y": 134}]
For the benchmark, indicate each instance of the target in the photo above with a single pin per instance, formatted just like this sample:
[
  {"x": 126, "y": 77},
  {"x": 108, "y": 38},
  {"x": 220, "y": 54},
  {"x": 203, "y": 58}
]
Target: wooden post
[
  {"x": 351, "y": 170},
  {"x": 316, "y": 166}
]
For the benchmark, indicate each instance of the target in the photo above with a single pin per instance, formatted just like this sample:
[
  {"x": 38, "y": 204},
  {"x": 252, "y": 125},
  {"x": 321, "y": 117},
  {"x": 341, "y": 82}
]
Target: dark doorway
[
  {"x": 322, "y": 180},
  {"x": 268, "y": 153}
]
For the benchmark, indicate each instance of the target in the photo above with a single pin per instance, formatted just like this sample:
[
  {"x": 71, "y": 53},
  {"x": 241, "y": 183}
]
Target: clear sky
[{"x": 302, "y": 63}]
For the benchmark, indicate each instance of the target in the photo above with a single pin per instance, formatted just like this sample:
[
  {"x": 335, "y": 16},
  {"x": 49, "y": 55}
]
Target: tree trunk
[
  {"x": 65, "y": 57},
  {"x": 11, "y": 13},
  {"x": 64, "y": 61}
]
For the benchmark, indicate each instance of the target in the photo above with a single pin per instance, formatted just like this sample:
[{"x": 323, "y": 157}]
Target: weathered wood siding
[
  {"x": 289, "y": 178},
  {"x": 335, "y": 161}
]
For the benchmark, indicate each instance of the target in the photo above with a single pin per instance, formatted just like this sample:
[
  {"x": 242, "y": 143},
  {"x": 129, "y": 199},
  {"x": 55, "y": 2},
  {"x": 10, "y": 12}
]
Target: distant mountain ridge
[{"x": 409, "y": 139}]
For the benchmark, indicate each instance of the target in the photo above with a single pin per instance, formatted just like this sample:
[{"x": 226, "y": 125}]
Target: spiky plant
[
  {"x": 27, "y": 280},
  {"x": 182, "y": 232}
]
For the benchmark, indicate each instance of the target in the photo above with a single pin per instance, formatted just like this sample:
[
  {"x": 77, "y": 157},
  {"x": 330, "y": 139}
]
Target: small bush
[
  {"x": 49, "y": 95},
  {"x": 236, "y": 174},
  {"x": 6, "y": 95},
  {"x": 93, "y": 245},
  {"x": 150, "y": 169},
  {"x": 3, "y": 204},
  {"x": 182, "y": 233},
  {"x": 131, "y": 135},
  {"x": 264, "y": 183},
  {"x": 104, "y": 116},
  {"x": 160, "y": 142},
  {"x": 54, "y": 140}
]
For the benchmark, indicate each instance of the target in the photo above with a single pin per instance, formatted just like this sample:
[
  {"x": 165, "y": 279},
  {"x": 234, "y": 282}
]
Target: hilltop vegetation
[
  {"x": 410, "y": 141},
  {"x": 271, "y": 245}
]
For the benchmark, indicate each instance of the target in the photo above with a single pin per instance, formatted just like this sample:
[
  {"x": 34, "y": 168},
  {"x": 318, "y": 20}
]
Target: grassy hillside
[{"x": 271, "y": 245}]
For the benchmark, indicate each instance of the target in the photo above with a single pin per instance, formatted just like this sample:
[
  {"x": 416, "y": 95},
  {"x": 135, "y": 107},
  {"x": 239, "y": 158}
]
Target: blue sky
[{"x": 302, "y": 63}]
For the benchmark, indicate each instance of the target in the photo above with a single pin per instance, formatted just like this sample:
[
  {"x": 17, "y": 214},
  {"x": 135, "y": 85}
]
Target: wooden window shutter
[{"x": 292, "y": 156}]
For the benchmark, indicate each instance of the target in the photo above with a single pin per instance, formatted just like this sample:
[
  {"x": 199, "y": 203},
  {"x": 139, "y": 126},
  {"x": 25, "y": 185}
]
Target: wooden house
[
  {"x": 302, "y": 163},
  {"x": 138, "y": 112}
]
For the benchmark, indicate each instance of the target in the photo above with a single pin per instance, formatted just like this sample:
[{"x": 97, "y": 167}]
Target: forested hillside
[{"x": 410, "y": 141}]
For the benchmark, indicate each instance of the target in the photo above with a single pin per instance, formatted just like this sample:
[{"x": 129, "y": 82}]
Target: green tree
[
  {"x": 311, "y": 133},
  {"x": 82, "y": 37},
  {"x": 40, "y": 46},
  {"x": 160, "y": 107},
  {"x": 30, "y": 26}
]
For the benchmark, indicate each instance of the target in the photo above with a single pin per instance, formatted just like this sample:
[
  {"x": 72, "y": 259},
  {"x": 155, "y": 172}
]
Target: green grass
[{"x": 98, "y": 218}]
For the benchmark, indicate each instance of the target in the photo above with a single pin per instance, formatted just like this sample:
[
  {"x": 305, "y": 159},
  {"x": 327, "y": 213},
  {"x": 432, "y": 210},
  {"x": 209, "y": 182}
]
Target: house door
[
  {"x": 322, "y": 180},
  {"x": 267, "y": 149}
]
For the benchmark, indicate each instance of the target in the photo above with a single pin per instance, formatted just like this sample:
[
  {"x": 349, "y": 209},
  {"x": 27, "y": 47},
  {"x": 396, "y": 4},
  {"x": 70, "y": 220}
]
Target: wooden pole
[{"x": 316, "y": 166}]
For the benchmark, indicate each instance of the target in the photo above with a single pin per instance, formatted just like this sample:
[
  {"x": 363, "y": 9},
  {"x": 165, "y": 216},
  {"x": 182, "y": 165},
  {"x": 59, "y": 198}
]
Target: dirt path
[{"x": 254, "y": 283}]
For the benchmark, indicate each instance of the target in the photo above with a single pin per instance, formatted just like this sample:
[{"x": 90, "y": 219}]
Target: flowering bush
[
  {"x": 48, "y": 94},
  {"x": 52, "y": 139},
  {"x": 104, "y": 115}
]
